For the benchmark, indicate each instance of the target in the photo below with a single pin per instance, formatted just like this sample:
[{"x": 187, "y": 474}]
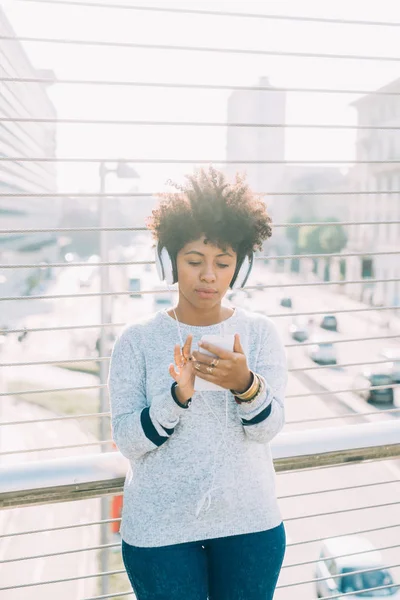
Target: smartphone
[{"x": 222, "y": 341}]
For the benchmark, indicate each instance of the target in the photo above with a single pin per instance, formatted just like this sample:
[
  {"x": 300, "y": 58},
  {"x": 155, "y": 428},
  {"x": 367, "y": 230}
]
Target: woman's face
[{"x": 205, "y": 272}]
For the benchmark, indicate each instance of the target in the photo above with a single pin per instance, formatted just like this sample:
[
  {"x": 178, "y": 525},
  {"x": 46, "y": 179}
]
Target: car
[
  {"x": 134, "y": 287},
  {"x": 393, "y": 365},
  {"x": 368, "y": 378},
  {"x": 286, "y": 302},
  {"x": 322, "y": 352},
  {"x": 329, "y": 322},
  {"x": 337, "y": 570},
  {"x": 299, "y": 330}
]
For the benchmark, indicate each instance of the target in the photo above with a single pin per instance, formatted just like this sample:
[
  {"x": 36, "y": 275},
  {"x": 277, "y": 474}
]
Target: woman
[{"x": 200, "y": 517}]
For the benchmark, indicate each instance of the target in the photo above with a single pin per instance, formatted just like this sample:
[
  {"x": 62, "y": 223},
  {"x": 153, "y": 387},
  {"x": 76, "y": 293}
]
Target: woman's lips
[{"x": 205, "y": 293}]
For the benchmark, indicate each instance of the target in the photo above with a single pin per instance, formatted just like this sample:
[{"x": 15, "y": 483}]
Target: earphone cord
[{"x": 205, "y": 500}]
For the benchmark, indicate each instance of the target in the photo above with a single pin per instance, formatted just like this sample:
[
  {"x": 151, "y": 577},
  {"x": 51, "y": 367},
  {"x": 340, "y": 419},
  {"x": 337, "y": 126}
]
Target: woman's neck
[{"x": 190, "y": 315}]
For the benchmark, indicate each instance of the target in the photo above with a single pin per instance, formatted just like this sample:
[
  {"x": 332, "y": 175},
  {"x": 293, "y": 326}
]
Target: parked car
[
  {"x": 368, "y": 378},
  {"x": 323, "y": 353},
  {"x": 329, "y": 322},
  {"x": 393, "y": 365},
  {"x": 286, "y": 302},
  {"x": 299, "y": 330},
  {"x": 338, "y": 562}
]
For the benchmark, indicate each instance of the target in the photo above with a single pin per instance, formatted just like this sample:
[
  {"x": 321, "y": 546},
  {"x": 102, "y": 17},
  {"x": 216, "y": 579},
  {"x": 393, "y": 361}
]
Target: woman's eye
[
  {"x": 194, "y": 263},
  {"x": 223, "y": 266}
]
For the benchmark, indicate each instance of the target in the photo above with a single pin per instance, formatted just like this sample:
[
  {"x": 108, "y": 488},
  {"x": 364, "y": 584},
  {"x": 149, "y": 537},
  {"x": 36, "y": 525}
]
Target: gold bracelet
[
  {"x": 251, "y": 391},
  {"x": 256, "y": 395}
]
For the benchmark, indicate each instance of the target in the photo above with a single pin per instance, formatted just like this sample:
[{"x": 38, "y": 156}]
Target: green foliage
[{"x": 317, "y": 239}]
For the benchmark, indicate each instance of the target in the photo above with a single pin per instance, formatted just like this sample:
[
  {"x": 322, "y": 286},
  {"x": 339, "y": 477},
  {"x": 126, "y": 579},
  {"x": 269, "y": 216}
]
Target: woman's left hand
[{"x": 227, "y": 369}]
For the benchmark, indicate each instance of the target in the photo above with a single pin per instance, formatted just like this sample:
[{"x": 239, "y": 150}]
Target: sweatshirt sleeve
[
  {"x": 264, "y": 418},
  {"x": 139, "y": 424}
]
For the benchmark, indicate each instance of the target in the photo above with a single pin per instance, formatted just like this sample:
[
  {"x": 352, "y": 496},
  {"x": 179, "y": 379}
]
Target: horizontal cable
[
  {"x": 120, "y": 571},
  {"x": 271, "y": 315},
  {"x": 320, "y": 539},
  {"x": 294, "y": 345},
  {"x": 112, "y": 196},
  {"x": 327, "y": 392},
  {"x": 356, "y": 553},
  {"x": 63, "y": 580},
  {"x": 62, "y": 553},
  {"x": 342, "y": 511},
  {"x": 106, "y": 358},
  {"x": 345, "y": 416},
  {"x": 60, "y": 528},
  {"x": 200, "y": 86},
  {"x": 321, "y": 367},
  {"x": 286, "y": 224},
  {"x": 250, "y": 287},
  {"x": 369, "y": 569},
  {"x": 83, "y": 445},
  {"x": 190, "y": 161},
  {"x": 108, "y": 414},
  {"x": 359, "y": 462},
  {"x": 95, "y": 387},
  {"x": 339, "y": 575},
  {"x": 63, "y": 418},
  {"x": 152, "y": 262},
  {"x": 109, "y": 596},
  {"x": 64, "y": 328},
  {"x": 351, "y": 594},
  {"x": 116, "y": 520},
  {"x": 218, "y": 13},
  {"x": 340, "y": 341},
  {"x": 47, "y": 391},
  {"x": 340, "y": 489},
  {"x": 179, "y": 48},
  {"x": 76, "y": 121},
  {"x": 65, "y": 361}
]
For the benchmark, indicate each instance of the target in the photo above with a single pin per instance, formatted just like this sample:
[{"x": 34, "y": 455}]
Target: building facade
[
  {"x": 266, "y": 106},
  {"x": 377, "y": 198},
  {"x": 25, "y": 140}
]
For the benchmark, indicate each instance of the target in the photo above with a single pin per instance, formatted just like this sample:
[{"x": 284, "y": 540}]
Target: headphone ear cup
[
  {"x": 164, "y": 265},
  {"x": 243, "y": 273},
  {"x": 159, "y": 266}
]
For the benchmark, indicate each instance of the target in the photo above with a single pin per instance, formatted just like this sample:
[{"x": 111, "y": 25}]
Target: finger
[
  {"x": 172, "y": 372},
  {"x": 206, "y": 376},
  {"x": 186, "y": 350},
  {"x": 204, "y": 358},
  {"x": 219, "y": 352},
  {"x": 237, "y": 346},
  {"x": 178, "y": 355}
]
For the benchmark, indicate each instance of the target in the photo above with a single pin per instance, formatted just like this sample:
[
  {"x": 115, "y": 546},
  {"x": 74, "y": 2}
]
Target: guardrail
[{"x": 91, "y": 476}]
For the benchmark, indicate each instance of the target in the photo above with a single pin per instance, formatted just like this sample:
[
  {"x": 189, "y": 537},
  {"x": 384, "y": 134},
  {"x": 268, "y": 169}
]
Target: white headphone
[{"x": 167, "y": 270}]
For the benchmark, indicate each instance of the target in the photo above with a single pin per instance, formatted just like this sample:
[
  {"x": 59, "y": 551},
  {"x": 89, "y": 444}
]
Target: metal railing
[{"x": 63, "y": 480}]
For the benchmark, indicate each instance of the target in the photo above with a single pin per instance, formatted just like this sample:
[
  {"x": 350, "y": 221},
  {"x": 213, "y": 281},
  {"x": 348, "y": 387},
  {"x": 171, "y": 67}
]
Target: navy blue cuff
[
  {"x": 173, "y": 394},
  {"x": 264, "y": 414},
  {"x": 150, "y": 431}
]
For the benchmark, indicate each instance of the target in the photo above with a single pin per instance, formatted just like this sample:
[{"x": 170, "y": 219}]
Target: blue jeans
[{"x": 238, "y": 567}]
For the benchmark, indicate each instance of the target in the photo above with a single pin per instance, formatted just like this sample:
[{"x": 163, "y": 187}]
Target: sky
[{"x": 47, "y": 20}]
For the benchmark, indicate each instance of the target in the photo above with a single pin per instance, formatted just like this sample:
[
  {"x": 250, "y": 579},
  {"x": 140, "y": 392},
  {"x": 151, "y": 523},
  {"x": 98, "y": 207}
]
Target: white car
[
  {"x": 393, "y": 357},
  {"x": 338, "y": 570},
  {"x": 323, "y": 352}
]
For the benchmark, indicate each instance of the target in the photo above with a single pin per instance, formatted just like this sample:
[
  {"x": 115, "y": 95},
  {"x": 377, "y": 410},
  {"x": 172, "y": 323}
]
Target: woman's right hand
[{"x": 182, "y": 371}]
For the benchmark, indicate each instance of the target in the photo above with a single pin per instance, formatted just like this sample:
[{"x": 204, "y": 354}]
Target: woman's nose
[{"x": 208, "y": 274}]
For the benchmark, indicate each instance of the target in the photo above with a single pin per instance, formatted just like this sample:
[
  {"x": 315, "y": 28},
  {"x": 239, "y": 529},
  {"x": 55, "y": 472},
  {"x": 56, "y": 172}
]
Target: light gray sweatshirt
[{"x": 204, "y": 471}]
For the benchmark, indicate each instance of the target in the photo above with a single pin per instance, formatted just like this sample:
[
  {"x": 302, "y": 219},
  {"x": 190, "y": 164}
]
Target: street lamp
[{"x": 123, "y": 171}]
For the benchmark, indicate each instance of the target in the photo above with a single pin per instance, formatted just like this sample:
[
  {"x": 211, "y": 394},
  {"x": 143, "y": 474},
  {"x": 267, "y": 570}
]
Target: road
[{"x": 42, "y": 346}]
